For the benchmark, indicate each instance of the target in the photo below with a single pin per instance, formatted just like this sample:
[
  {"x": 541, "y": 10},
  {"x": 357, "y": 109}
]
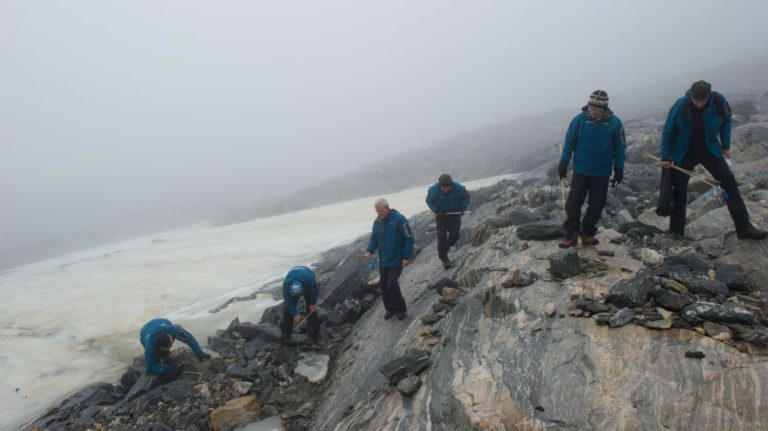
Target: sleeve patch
[{"x": 407, "y": 229}]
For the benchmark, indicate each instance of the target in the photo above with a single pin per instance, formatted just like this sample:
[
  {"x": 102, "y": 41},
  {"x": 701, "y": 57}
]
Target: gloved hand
[
  {"x": 618, "y": 177},
  {"x": 174, "y": 371},
  {"x": 562, "y": 169},
  {"x": 205, "y": 356}
]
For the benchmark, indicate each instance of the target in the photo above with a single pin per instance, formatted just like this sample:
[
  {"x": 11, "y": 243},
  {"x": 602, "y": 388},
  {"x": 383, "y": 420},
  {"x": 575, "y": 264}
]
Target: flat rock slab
[
  {"x": 707, "y": 311},
  {"x": 313, "y": 367},
  {"x": 700, "y": 284},
  {"x": 621, "y": 318}
]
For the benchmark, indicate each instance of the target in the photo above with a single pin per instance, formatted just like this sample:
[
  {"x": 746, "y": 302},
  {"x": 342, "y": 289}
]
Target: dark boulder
[
  {"x": 412, "y": 363},
  {"x": 695, "y": 264},
  {"x": 541, "y": 230},
  {"x": 668, "y": 299},
  {"x": 444, "y": 282},
  {"x": 409, "y": 385},
  {"x": 733, "y": 276},
  {"x": 564, "y": 264},
  {"x": 265, "y": 331},
  {"x": 519, "y": 216},
  {"x": 633, "y": 292}
]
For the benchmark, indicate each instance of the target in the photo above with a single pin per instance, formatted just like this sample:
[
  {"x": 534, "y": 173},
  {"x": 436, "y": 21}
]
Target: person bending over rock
[
  {"x": 300, "y": 282},
  {"x": 157, "y": 337}
]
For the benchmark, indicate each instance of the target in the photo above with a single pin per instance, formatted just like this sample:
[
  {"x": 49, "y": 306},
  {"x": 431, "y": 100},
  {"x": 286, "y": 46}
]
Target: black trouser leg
[
  {"x": 454, "y": 229},
  {"x": 448, "y": 230},
  {"x": 286, "y": 323},
  {"x": 680, "y": 193},
  {"x": 720, "y": 171},
  {"x": 383, "y": 279},
  {"x": 598, "y": 193},
  {"x": 442, "y": 237},
  {"x": 313, "y": 326},
  {"x": 390, "y": 289},
  {"x": 576, "y": 196}
]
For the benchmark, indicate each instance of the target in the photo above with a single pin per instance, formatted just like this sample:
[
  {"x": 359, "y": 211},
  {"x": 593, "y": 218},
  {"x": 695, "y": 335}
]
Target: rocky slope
[{"x": 639, "y": 332}]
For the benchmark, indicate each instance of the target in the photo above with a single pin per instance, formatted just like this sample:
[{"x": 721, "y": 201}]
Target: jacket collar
[{"x": 606, "y": 117}]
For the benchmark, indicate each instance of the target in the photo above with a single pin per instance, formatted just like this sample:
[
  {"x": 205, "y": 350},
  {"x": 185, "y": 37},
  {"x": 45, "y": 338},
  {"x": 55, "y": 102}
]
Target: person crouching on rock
[
  {"x": 157, "y": 337},
  {"x": 300, "y": 282},
  {"x": 448, "y": 200},
  {"x": 391, "y": 235},
  {"x": 595, "y": 139}
]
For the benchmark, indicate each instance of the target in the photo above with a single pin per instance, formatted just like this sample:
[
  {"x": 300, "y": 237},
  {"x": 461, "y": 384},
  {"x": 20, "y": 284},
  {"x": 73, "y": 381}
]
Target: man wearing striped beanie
[{"x": 595, "y": 139}]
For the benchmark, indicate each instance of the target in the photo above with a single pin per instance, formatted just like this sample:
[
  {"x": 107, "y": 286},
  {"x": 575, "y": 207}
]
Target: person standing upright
[
  {"x": 596, "y": 141},
  {"x": 698, "y": 130},
  {"x": 391, "y": 235},
  {"x": 448, "y": 200}
]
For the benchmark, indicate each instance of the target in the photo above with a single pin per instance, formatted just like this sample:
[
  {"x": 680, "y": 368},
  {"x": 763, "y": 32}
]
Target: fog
[{"x": 119, "y": 118}]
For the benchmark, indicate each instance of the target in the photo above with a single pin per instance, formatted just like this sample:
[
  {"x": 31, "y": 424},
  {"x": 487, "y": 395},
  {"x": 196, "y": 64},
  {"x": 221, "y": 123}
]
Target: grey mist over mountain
[{"x": 119, "y": 119}]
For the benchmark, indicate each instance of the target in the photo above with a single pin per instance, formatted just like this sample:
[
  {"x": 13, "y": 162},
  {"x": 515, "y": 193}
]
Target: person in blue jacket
[
  {"x": 392, "y": 236},
  {"x": 448, "y": 200},
  {"x": 300, "y": 282},
  {"x": 698, "y": 130},
  {"x": 157, "y": 337},
  {"x": 595, "y": 139}
]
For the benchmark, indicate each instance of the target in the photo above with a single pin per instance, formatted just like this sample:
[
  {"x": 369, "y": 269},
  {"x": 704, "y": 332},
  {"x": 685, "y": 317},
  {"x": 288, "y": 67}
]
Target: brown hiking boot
[{"x": 587, "y": 241}]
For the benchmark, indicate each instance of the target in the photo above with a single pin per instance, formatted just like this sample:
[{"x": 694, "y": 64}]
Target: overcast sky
[{"x": 116, "y": 111}]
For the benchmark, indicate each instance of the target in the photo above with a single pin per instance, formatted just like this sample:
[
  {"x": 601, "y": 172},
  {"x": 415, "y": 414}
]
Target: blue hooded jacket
[
  {"x": 456, "y": 200},
  {"x": 308, "y": 281},
  {"x": 678, "y": 129},
  {"x": 147, "y": 337},
  {"x": 393, "y": 238},
  {"x": 596, "y": 146}
]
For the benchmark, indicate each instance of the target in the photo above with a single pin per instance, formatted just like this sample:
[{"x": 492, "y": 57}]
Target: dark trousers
[
  {"x": 581, "y": 187},
  {"x": 448, "y": 229},
  {"x": 313, "y": 324},
  {"x": 390, "y": 289},
  {"x": 719, "y": 170}
]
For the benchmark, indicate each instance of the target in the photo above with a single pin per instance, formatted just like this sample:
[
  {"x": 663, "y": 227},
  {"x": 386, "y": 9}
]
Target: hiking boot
[
  {"x": 402, "y": 315},
  {"x": 568, "y": 242},
  {"x": 447, "y": 263},
  {"x": 677, "y": 236},
  {"x": 388, "y": 315},
  {"x": 587, "y": 241},
  {"x": 752, "y": 232}
]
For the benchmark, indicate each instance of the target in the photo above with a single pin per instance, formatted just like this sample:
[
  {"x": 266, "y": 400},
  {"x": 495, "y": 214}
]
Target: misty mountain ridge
[
  {"x": 513, "y": 146},
  {"x": 516, "y": 145}
]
